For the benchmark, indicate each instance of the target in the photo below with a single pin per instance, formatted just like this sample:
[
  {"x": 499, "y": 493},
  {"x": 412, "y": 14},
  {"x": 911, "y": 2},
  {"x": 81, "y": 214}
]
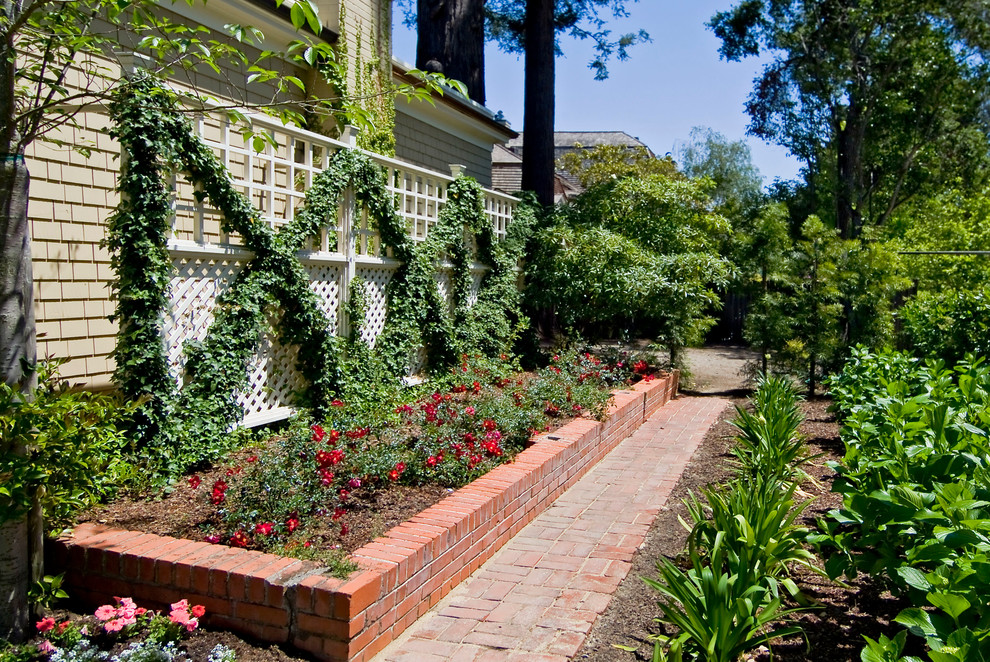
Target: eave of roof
[{"x": 457, "y": 101}]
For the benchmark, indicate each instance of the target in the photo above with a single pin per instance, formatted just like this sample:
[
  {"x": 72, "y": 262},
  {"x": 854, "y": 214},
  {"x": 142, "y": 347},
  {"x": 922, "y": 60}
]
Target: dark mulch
[{"x": 834, "y": 632}]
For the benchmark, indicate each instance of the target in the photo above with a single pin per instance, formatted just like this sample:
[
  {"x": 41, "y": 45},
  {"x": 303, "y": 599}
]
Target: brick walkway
[{"x": 537, "y": 599}]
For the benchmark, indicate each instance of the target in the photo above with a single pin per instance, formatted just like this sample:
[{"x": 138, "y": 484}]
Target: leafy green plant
[
  {"x": 948, "y": 324},
  {"x": 916, "y": 494},
  {"x": 44, "y": 593},
  {"x": 768, "y": 443},
  {"x": 62, "y": 446},
  {"x": 719, "y": 613},
  {"x": 755, "y": 522}
]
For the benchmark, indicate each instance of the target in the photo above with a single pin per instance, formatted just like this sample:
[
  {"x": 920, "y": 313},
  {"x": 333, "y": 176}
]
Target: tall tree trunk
[
  {"x": 849, "y": 198},
  {"x": 451, "y": 41},
  {"x": 17, "y": 344},
  {"x": 538, "y": 111}
]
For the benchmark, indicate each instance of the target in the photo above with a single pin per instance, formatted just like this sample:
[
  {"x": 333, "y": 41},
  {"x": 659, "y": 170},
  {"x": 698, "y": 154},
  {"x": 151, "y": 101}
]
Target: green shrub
[
  {"x": 755, "y": 520},
  {"x": 948, "y": 324},
  {"x": 61, "y": 444},
  {"x": 915, "y": 481},
  {"x": 768, "y": 443}
]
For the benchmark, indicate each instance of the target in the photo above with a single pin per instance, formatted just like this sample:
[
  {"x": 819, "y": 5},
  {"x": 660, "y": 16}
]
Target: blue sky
[{"x": 668, "y": 86}]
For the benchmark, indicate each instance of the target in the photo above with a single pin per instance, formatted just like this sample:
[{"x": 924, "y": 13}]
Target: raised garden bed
[{"x": 403, "y": 573}]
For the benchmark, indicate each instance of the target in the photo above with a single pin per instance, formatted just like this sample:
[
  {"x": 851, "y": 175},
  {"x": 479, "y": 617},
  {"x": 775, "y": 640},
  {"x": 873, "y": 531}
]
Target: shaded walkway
[{"x": 537, "y": 598}]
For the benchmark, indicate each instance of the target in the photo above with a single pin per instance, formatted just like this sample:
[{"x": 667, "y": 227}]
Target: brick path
[{"x": 537, "y": 599}]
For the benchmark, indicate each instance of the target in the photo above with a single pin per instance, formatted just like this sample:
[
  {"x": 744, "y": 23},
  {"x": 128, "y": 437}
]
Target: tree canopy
[{"x": 882, "y": 99}]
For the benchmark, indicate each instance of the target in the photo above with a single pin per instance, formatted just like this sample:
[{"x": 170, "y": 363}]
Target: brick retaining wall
[{"x": 403, "y": 574}]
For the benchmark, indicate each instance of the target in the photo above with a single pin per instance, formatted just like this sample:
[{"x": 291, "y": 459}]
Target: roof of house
[{"x": 589, "y": 139}]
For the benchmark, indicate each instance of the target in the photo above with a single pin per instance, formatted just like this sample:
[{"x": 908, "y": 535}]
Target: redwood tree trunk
[
  {"x": 451, "y": 41},
  {"x": 538, "y": 111}
]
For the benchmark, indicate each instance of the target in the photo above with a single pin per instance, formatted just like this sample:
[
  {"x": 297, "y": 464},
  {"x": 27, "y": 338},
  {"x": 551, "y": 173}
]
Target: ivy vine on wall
[{"x": 187, "y": 427}]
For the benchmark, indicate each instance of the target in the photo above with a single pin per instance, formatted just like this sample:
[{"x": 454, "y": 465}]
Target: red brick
[
  {"x": 357, "y": 595},
  {"x": 261, "y": 614}
]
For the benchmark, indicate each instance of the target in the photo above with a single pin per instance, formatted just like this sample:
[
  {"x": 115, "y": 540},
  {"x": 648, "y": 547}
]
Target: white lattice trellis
[
  {"x": 192, "y": 294},
  {"x": 375, "y": 281},
  {"x": 276, "y": 180},
  {"x": 272, "y": 378}
]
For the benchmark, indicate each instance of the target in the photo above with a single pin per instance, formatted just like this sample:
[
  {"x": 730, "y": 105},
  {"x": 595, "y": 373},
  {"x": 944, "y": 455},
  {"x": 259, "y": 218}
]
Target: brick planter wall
[{"x": 403, "y": 574}]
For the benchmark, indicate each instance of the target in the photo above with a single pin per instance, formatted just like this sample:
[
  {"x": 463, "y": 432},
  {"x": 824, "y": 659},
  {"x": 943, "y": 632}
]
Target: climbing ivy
[{"x": 183, "y": 428}]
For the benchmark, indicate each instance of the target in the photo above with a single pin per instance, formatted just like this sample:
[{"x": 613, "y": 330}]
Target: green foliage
[
  {"x": 916, "y": 493},
  {"x": 768, "y": 444},
  {"x": 58, "y": 445},
  {"x": 949, "y": 324},
  {"x": 46, "y": 591},
  {"x": 632, "y": 255},
  {"x": 755, "y": 520},
  {"x": 603, "y": 163},
  {"x": 743, "y": 539},
  {"x": 720, "y": 614},
  {"x": 954, "y": 219}
]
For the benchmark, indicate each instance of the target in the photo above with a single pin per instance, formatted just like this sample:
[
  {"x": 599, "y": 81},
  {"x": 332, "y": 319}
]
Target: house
[
  {"x": 507, "y": 159},
  {"x": 73, "y": 194}
]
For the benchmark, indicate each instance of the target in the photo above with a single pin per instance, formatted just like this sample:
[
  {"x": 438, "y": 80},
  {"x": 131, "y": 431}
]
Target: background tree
[
  {"x": 632, "y": 255},
  {"x": 881, "y": 99},
  {"x": 532, "y": 27},
  {"x": 606, "y": 162},
  {"x": 738, "y": 186}
]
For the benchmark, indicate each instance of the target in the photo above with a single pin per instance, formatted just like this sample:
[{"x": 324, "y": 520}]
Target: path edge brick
[{"x": 402, "y": 574}]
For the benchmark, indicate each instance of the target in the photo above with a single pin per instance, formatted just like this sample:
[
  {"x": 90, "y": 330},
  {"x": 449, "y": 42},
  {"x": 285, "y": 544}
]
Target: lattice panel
[
  {"x": 325, "y": 281},
  {"x": 272, "y": 375},
  {"x": 444, "y": 284},
  {"x": 476, "y": 278},
  {"x": 192, "y": 293},
  {"x": 376, "y": 280}
]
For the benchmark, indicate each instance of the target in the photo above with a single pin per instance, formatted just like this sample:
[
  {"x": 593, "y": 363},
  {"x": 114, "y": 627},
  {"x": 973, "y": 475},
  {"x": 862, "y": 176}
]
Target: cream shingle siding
[{"x": 431, "y": 147}]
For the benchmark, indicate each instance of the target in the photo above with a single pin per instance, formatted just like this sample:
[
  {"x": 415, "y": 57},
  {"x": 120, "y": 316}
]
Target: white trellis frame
[{"x": 275, "y": 180}]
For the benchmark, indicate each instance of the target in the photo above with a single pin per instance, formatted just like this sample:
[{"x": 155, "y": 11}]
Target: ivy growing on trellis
[{"x": 182, "y": 428}]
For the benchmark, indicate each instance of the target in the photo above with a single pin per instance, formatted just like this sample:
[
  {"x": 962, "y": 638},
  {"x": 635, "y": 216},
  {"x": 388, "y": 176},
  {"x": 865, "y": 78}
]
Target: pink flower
[
  {"x": 116, "y": 625},
  {"x": 180, "y": 605},
  {"x": 45, "y": 624},
  {"x": 213, "y": 538},
  {"x": 46, "y": 647},
  {"x": 469, "y": 411},
  {"x": 354, "y": 483},
  {"x": 105, "y": 613}
]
